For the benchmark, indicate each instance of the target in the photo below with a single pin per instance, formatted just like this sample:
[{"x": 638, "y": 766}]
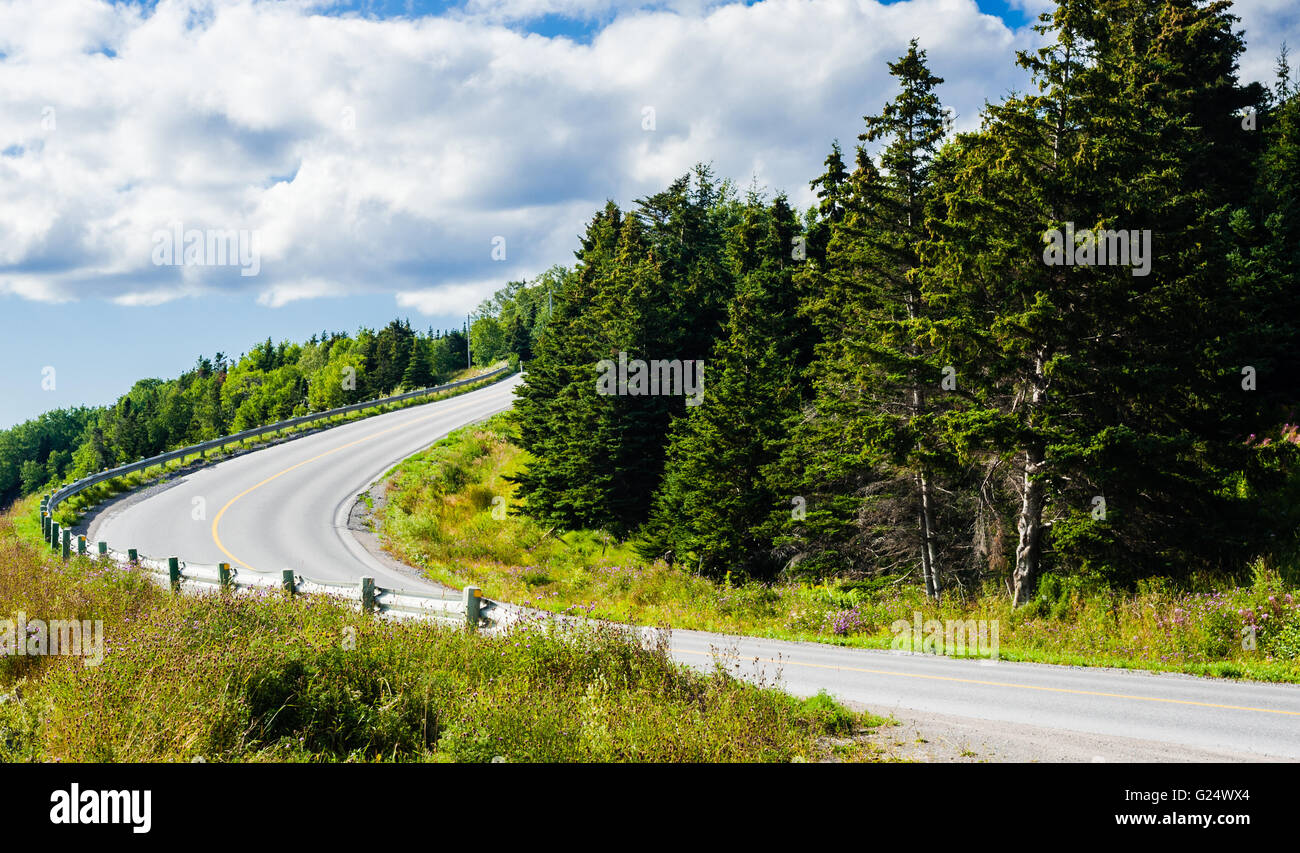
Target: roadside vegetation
[
  {"x": 454, "y": 512},
  {"x": 269, "y": 678},
  {"x": 997, "y": 375}
]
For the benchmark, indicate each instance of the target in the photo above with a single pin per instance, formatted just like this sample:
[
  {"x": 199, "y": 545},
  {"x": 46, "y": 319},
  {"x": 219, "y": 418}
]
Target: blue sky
[
  {"x": 579, "y": 28},
  {"x": 378, "y": 149}
]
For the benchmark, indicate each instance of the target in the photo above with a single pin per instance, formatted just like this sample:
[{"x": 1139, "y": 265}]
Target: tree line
[
  {"x": 220, "y": 395},
  {"x": 1063, "y": 342}
]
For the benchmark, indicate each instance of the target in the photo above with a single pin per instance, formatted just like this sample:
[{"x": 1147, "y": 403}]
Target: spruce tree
[
  {"x": 556, "y": 410},
  {"x": 868, "y": 429},
  {"x": 715, "y": 499},
  {"x": 419, "y": 367},
  {"x": 651, "y": 286},
  {"x": 1104, "y": 388}
]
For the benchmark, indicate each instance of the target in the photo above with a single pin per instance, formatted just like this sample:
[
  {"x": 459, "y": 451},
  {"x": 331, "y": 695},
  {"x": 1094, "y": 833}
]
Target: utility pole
[{"x": 469, "y": 354}]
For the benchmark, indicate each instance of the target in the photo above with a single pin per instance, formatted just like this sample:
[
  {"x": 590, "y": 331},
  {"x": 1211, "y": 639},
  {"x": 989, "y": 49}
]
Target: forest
[{"x": 917, "y": 376}]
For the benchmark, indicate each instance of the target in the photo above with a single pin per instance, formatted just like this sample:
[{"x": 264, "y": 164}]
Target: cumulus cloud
[
  {"x": 1267, "y": 25},
  {"x": 394, "y": 156}
]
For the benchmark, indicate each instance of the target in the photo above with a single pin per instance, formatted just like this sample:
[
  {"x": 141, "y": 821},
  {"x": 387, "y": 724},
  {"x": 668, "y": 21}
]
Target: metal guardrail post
[
  {"x": 132, "y": 556},
  {"x": 287, "y": 581},
  {"x": 472, "y": 596},
  {"x": 103, "y": 548},
  {"x": 223, "y": 575},
  {"x": 174, "y": 573},
  {"x": 367, "y": 594},
  {"x": 45, "y": 526},
  {"x": 65, "y": 546},
  {"x": 54, "y": 535}
]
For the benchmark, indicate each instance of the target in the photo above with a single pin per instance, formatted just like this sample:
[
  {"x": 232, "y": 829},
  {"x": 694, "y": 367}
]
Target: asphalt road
[
  {"x": 1217, "y": 719},
  {"x": 286, "y": 506}
]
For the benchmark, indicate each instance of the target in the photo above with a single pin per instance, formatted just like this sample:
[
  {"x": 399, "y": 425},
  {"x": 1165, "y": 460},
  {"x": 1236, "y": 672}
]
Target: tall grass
[{"x": 272, "y": 678}]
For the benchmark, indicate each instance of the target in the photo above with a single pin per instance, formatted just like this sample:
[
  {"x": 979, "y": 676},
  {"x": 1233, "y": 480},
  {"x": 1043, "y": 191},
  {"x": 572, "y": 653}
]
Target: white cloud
[
  {"x": 1267, "y": 24},
  {"x": 455, "y": 299},
  {"x": 34, "y": 289},
  {"x": 136, "y": 298},
  {"x": 386, "y": 155},
  {"x": 278, "y": 295}
]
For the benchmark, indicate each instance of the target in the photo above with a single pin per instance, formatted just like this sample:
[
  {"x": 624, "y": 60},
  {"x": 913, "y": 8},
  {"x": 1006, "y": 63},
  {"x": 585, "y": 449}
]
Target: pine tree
[
  {"x": 652, "y": 286},
  {"x": 831, "y": 188},
  {"x": 419, "y": 367},
  {"x": 868, "y": 427},
  {"x": 556, "y": 409},
  {"x": 715, "y": 499},
  {"x": 1106, "y": 388}
]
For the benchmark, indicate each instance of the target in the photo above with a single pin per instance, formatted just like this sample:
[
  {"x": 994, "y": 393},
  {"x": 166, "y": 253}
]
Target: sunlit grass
[
  {"x": 272, "y": 678},
  {"x": 440, "y": 518}
]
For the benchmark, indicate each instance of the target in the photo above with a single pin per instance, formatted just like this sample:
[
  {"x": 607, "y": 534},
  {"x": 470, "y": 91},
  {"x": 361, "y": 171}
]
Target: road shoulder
[{"x": 942, "y": 738}]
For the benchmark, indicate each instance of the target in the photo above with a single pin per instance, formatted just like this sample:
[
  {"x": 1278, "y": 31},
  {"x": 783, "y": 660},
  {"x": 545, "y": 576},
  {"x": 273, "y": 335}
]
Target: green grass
[
  {"x": 273, "y": 678},
  {"x": 439, "y": 517}
]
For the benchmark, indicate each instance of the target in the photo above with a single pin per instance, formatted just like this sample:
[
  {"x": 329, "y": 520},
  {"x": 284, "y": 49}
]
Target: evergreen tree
[
  {"x": 419, "y": 367},
  {"x": 870, "y": 428},
  {"x": 651, "y": 286},
  {"x": 715, "y": 501},
  {"x": 1106, "y": 389},
  {"x": 556, "y": 409},
  {"x": 831, "y": 188}
]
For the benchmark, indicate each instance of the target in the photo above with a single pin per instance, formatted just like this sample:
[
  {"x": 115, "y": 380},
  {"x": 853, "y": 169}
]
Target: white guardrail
[{"x": 470, "y": 609}]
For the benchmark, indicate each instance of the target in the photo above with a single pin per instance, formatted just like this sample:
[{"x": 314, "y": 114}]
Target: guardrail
[
  {"x": 471, "y": 608},
  {"x": 202, "y": 448}
]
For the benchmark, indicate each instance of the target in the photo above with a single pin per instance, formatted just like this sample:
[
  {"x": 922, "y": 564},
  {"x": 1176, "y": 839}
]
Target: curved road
[{"x": 286, "y": 506}]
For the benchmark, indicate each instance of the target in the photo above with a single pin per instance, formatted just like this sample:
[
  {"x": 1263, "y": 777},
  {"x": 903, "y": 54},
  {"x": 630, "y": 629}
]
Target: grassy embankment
[
  {"x": 439, "y": 516},
  {"x": 70, "y": 511},
  {"x": 269, "y": 678}
]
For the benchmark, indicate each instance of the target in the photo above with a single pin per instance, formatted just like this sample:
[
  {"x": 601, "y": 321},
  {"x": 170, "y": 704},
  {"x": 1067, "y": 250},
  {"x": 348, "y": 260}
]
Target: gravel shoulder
[{"x": 941, "y": 738}]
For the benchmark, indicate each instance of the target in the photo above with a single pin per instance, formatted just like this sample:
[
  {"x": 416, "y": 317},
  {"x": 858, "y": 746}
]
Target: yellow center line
[
  {"x": 997, "y": 683},
  {"x": 216, "y": 522}
]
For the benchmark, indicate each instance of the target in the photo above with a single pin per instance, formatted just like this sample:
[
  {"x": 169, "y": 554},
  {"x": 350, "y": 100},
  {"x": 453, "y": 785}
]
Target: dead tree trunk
[
  {"x": 929, "y": 557},
  {"x": 1033, "y": 497}
]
